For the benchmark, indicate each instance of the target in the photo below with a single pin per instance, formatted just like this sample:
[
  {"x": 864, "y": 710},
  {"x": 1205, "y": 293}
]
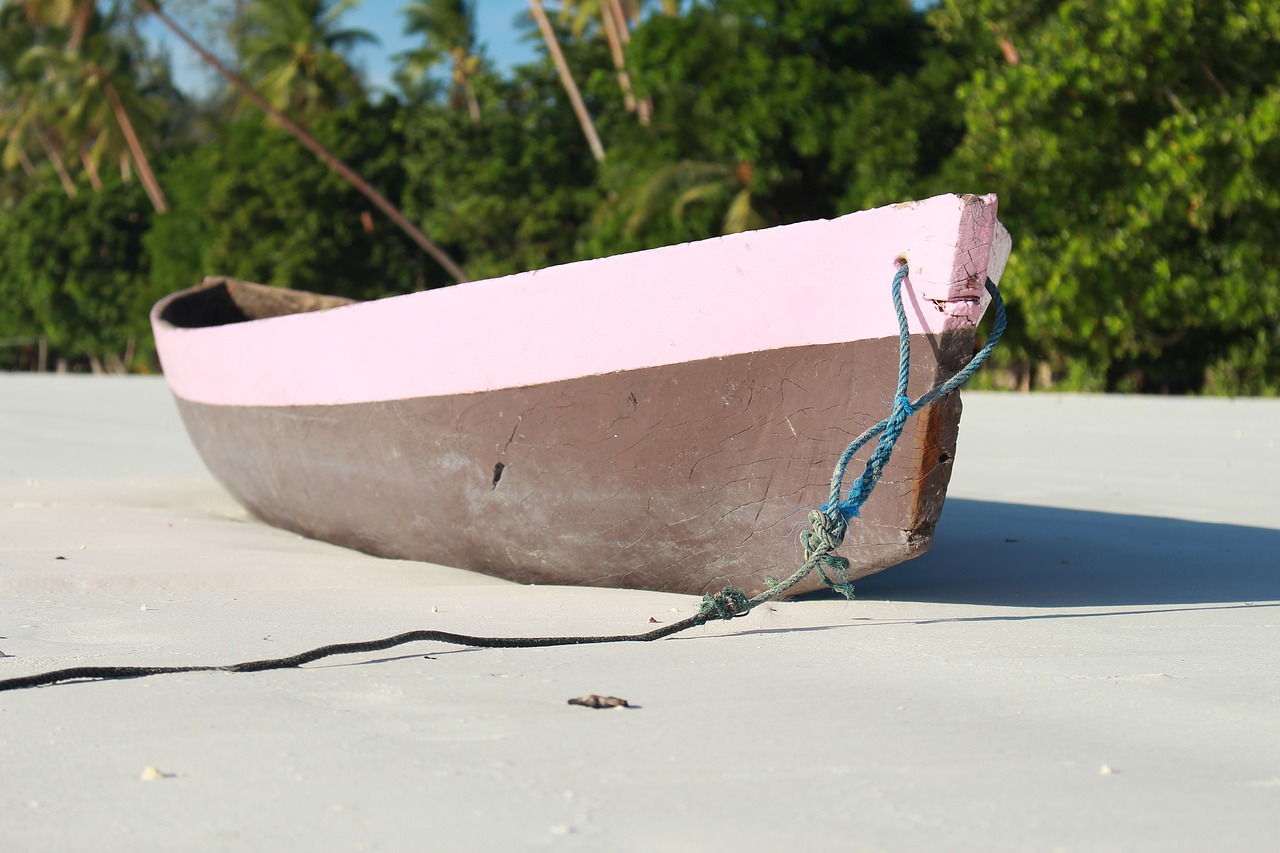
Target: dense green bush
[
  {"x": 273, "y": 213},
  {"x": 1134, "y": 146},
  {"x": 768, "y": 112},
  {"x": 74, "y": 270},
  {"x": 510, "y": 192}
]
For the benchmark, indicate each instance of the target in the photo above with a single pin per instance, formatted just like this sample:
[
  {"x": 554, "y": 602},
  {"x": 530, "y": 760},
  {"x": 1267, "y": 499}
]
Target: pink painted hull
[{"x": 658, "y": 419}]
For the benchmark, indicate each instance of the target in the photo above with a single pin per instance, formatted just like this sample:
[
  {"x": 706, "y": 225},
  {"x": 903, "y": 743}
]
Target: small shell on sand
[
  {"x": 151, "y": 774},
  {"x": 594, "y": 701}
]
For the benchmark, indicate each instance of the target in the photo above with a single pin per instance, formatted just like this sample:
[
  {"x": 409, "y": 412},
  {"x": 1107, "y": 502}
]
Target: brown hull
[{"x": 684, "y": 477}]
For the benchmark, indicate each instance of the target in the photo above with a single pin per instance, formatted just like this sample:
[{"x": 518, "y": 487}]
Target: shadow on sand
[{"x": 1029, "y": 556}]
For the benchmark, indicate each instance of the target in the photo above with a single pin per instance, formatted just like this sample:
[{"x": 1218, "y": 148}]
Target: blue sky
[{"x": 495, "y": 21}]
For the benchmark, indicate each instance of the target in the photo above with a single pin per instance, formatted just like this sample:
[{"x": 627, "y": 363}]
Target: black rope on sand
[{"x": 723, "y": 606}]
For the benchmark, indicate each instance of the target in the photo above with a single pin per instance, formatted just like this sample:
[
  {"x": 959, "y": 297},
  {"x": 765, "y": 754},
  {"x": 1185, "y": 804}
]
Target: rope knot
[
  {"x": 725, "y": 604},
  {"x": 824, "y": 535}
]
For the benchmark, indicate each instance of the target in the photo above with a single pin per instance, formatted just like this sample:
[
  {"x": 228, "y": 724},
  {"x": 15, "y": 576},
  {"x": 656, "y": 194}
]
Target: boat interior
[{"x": 220, "y": 301}]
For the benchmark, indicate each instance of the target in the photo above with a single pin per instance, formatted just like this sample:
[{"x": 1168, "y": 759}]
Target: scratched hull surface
[{"x": 662, "y": 420}]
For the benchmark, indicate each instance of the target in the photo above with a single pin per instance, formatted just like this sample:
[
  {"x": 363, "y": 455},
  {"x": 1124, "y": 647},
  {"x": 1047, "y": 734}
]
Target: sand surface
[{"x": 1088, "y": 659}]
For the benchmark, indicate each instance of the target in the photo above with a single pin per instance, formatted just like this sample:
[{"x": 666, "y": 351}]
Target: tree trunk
[
  {"x": 644, "y": 106},
  {"x": 80, "y": 24},
  {"x": 566, "y": 80},
  {"x": 473, "y": 105},
  {"x": 624, "y": 27},
  {"x": 461, "y": 77},
  {"x": 609, "y": 16},
  {"x": 148, "y": 178},
  {"x": 27, "y": 166},
  {"x": 90, "y": 168},
  {"x": 55, "y": 158},
  {"x": 312, "y": 144}
]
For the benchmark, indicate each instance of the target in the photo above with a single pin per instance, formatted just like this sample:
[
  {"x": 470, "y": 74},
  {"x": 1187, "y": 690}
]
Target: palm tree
[
  {"x": 616, "y": 18},
  {"x": 72, "y": 15},
  {"x": 627, "y": 12},
  {"x": 448, "y": 28},
  {"x": 22, "y": 124},
  {"x": 25, "y": 117},
  {"x": 566, "y": 79},
  {"x": 678, "y": 186},
  {"x": 99, "y": 106},
  {"x": 294, "y": 53},
  {"x": 310, "y": 142},
  {"x": 93, "y": 91}
]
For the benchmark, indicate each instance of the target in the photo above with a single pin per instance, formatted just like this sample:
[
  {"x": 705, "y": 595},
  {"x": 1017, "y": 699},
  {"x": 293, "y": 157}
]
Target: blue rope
[
  {"x": 904, "y": 407},
  {"x": 891, "y": 427},
  {"x": 829, "y": 523}
]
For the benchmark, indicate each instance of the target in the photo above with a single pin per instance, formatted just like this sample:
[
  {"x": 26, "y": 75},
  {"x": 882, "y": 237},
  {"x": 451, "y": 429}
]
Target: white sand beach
[{"x": 1087, "y": 659}]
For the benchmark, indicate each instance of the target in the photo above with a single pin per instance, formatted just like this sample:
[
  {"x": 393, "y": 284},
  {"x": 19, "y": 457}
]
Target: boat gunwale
[{"x": 561, "y": 323}]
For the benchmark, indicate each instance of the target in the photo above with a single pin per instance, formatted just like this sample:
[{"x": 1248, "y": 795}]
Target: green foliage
[
  {"x": 84, "y": 287},
  {"x": 295, "y": 53},
  {"x": 1134, "y": 148},
  {"x": 507, "y": 193},
  {"x": 448, "y": 32},
  {"x": 775, "y": 112},
  {"x": 177, "y": 244},
  {"x": 276, "y": 214}
]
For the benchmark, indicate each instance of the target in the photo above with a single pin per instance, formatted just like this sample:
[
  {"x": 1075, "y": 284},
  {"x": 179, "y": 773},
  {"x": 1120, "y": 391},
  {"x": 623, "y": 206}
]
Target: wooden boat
[{"x": 659, "y": 420}]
